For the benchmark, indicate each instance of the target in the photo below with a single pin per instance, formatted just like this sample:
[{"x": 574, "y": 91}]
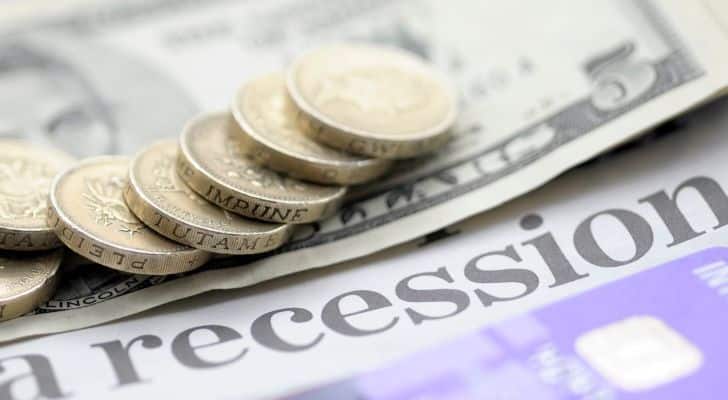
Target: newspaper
[
  {"x": 542, "y": 90},
  {"x": 655, "y": 201},
  {"x": 633, "y": 338}
]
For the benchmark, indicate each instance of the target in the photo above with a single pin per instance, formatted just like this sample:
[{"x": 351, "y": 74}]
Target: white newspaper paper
[{"x": 646, "y": 204}]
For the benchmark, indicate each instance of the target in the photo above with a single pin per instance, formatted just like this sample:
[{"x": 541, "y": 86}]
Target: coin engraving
[
  {"x": 90, "y": 216},
  {"x": 163, "y": 202},
  {"x": 213, "y": 162},
  {"x": 26, "y": 280},
  {"x": 239, "y": 167},
  {"x": 161, "y": 170},
  {"x": 281, "y": 117},
  {"x": 24, "y": 187},
  {"x": 271, "y": 111},
  {"x": 374, "y": 91},
  {"x": 28, "y": 241},
  {"x": 26, "y": 172},
  {"x": 103, "y": 198},
  {"x": 165, "y": 181},
  {"x": 373, "y": 101}
]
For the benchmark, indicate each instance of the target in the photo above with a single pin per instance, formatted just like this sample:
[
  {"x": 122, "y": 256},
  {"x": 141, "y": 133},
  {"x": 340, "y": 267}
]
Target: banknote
[
  {"x": 656, "y": 335},
  {"x": 541, "y": 91}
]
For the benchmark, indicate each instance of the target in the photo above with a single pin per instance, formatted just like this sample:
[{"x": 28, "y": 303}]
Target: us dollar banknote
[{"x": 543, "y": 86}]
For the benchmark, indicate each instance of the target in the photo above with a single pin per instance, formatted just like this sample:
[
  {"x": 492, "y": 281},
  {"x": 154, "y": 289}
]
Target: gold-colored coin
[
  {"x": 27, "y": 280},
  {"x": 26, "y": 172},
  {"x": 213, "y": 163},
  {"x": 374, "y": 101},
  {"x": 90, "y": 216},
  {"x": 159, "y": 198},
  {"x": 274, "y": 133}
]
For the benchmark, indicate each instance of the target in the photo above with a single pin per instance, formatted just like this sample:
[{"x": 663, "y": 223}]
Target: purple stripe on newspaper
[{"x": 659, "y": 334}]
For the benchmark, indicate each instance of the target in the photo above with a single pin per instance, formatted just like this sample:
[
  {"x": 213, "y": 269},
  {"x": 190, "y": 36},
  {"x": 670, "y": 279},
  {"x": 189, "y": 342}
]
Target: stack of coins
[
  {"x": 30, "y": 254},
  {"x": 238, "y": 181}
]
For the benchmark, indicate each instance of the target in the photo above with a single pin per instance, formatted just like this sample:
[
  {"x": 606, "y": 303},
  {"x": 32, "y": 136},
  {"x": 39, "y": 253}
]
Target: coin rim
[
  {"x": 185, "y": 152},
  {"x": 285, "y": 229},
  {"x": 312, "y": 112},
  {"x": 66, "y": 219}
]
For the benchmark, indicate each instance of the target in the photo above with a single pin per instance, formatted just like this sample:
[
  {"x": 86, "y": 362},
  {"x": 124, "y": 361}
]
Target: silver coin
[
  {"x": 26, "y": 172},
  {"x": 89, "y": 215},
  {"x": 159, "y": 198},
  {"x": 372, "y": 100},
  {"x": 213, "y": 162},
  {"x": 27, "y": 280},
  {"x": 274, "y": 131}
]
